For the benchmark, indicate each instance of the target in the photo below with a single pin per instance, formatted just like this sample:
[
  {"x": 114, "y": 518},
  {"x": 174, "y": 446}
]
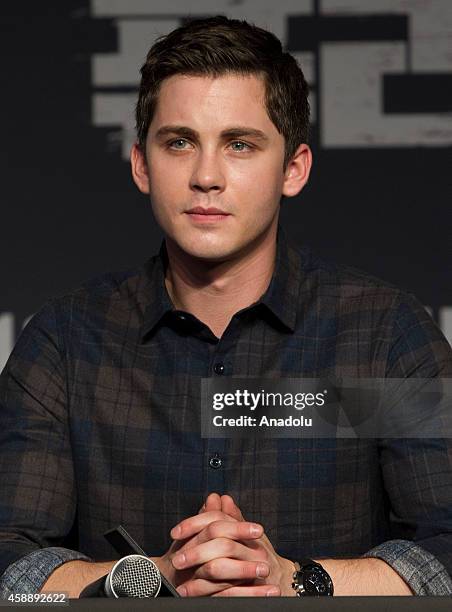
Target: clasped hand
[{"x": 218, "y": 553}]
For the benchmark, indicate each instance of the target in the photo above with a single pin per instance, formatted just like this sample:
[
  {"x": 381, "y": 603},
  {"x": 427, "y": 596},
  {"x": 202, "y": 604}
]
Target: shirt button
[
  {"x": 215, "y": 462},
  {"x": 219, "y": 368}
]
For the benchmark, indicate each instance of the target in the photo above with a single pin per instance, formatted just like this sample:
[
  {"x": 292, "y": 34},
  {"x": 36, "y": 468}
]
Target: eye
[
  {"x": 239, "y": 146},
  {"x": 178, "y": 144}
]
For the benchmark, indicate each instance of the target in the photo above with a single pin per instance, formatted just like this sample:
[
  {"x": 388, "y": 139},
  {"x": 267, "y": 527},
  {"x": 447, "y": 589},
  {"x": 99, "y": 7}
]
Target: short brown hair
[{"x": 215, "y": 46}]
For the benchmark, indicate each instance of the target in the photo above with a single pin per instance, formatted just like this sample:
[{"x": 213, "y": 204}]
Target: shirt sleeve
[
  {"x": 419, "y": 568},
  {"x": 38, "y": 494},
  {"x": 417, "y": 472},
  {"x": 29, "y": 573}
]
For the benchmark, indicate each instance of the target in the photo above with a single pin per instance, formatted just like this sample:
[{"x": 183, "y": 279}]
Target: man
[{"x": 100, "y": 400}]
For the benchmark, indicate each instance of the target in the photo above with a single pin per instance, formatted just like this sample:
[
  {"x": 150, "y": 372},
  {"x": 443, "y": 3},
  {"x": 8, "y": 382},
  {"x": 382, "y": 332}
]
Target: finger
[
  {"x": 230, "y": 507},
  {"x": 250, "y": 591},
  {"x": 215, "y": 550},
  {"x": 202, "y": 588},
  {"x": 226, "y": 569},
  {"x": 194, "y": 524},
  {"x": 213, "y": 502},
  {"x": 233, "y": 530}
]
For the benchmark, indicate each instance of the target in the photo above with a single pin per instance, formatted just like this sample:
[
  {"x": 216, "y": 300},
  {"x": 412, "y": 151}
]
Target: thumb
[
  {"x": 213, "y": 502},
  {"x": 228, "y": 506}
]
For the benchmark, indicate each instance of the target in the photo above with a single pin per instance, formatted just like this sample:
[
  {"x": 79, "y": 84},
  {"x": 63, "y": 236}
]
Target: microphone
[{"x": 131, "y": 576}]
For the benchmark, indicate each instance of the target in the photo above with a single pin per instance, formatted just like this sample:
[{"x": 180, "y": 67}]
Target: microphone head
[{"x": 133, "y": 576}]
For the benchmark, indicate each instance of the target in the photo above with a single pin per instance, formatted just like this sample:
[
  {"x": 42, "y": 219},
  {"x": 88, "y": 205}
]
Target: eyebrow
[{"x": 232, "y": 132}]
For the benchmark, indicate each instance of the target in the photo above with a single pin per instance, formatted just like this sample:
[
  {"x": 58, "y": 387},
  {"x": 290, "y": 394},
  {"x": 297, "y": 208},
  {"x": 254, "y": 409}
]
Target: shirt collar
[
  {"x": 159, "y": 302},
  {"x": 280, "y": 298}
]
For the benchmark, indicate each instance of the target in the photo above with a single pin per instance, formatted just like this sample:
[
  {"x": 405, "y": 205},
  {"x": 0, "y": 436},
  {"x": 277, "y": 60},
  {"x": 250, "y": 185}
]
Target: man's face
[{"x": 211, "y": 145}]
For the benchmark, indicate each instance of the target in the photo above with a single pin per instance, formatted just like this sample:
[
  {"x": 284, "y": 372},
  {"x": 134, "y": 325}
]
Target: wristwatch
[{"x": 311, "y": 579}]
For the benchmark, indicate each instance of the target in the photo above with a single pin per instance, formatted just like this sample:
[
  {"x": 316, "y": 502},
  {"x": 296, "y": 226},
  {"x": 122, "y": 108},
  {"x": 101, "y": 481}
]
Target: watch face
[{"x": 317, "y": 582}]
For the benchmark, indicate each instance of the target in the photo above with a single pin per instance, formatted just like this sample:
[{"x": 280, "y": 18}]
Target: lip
[{"x": 199, "y": 210}]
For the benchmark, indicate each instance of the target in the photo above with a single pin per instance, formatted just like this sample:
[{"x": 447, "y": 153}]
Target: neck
[{"x": 215, "y": 291}]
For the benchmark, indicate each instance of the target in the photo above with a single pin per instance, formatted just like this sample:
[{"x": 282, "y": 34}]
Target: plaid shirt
[{"x": 100, "y": 424}]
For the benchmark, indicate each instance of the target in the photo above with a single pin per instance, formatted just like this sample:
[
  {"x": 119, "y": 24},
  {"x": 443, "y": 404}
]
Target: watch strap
[{"x": 306, "y": 561}]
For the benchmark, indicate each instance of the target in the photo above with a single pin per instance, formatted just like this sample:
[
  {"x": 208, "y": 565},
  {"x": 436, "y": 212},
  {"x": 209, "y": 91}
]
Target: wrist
[
  {"x": 287, "y": 570},
  {"x": 166, "y": 567},
  {"x": 311, "y": 579},
  {"x": 73, "y": 576},
  {"x": 364, "y": 576}
]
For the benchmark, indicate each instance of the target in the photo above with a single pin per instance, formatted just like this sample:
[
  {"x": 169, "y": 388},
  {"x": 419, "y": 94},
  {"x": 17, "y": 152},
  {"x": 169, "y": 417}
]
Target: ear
[
  {"x": 297, "y": 172},
  {"x": 140, "y": 172}
]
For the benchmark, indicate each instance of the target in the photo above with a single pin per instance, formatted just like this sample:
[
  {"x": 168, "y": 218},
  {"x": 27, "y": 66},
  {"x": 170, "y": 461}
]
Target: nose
[{"x": 207, "y": 172}]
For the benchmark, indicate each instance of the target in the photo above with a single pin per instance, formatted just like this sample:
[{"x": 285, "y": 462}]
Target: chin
[
  {"x": 213, "y": 255},
  {"x": 210, "y": 252}
]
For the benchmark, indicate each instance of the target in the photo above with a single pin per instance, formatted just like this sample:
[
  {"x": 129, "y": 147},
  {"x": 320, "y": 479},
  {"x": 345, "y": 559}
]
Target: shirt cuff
[
  {"x": 419, "y": 568},
  {"x": 29, "y": 573}
]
